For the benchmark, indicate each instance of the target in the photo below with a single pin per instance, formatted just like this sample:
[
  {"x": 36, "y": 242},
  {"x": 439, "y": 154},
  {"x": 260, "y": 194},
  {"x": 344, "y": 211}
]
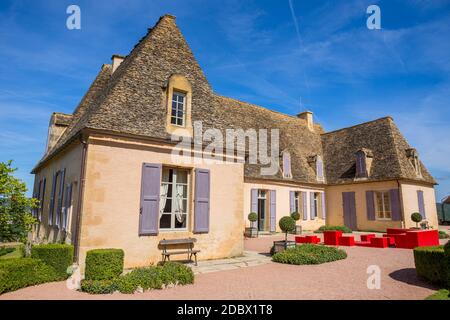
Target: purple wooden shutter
[
  {"x": 273, "y": 210},
  {"x": 52, "y": 200},
  {"x": 67, "y": 202},
  {"x": 60, "y": 198},
  {"x": 305, "y": 205},
  {"x": 36, "y": 195},
  {"x": 254, "y": 200},
  {"x": 323, "y": 206},
  {"x": 202, "y": 200},
  {"x": 150, "y": 193},
  {"x": 421, "y": 203},
  {"x": 287, "y": 165},
  {"x": 361, "y": 170},
  {"x": 370, "y": 205},
  {"x": 41, "y": 199},
  {"x": 319, "y": 168},
  {"x": 312, "y": 205},
  {"x": 395, "y": 205},
  {"x": 292, "y": 200}
]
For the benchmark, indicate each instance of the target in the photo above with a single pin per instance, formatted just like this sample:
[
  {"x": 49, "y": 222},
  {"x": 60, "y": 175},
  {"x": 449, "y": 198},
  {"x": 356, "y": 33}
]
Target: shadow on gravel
[{"x": 409, "y": 276}]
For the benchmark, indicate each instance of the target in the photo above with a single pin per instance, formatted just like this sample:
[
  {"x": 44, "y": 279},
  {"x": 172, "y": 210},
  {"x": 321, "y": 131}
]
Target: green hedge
[
  {"x": 4, "y": 251},
  {"x": 58, "y": 256},
  {"x": 443, "y": 235},
  {"x": 145, "y": 278},
  {"x": 344, "y": 229},
  {"x": 433, "y": 264},
  {"x": 104, "y": 264},
  {"x": 309, "y": 254},
  {"x": 23, "y": 272}
]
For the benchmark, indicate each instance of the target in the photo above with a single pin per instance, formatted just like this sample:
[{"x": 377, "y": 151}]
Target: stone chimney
[
  {"x": 308, "y": 117},
  {"x": 116, "y": 61}
]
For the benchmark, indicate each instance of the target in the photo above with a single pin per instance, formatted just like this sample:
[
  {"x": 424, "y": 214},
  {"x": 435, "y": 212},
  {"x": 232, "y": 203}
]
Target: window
[
  {"x": 413, "y": 156},
  {"x": 383, "y": 205},
  {"x": 262, "y": 211},
  {"x": 298, "y": 202},
  {"x": 316, "y": 203},
  {"x": 286, "y": 157},
  {"x": 178, "y": 111},
  {"x": 174, "y": 199},
  {"x": 361, "y": 171},
  {"x": 319, "y": 168}
]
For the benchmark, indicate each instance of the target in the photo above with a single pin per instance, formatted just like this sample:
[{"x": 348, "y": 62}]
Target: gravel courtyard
[{"x": 345, "y": 279}]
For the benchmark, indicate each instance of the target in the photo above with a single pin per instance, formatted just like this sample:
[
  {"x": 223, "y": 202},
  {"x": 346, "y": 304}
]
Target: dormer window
[
  {"x": 361, "y": 166},
  {"x": 178, "y": 108},
  {"x": 286, "y": 160},
  {"x": 317, "y": 163},
  {"x": 413, "y": 157}
]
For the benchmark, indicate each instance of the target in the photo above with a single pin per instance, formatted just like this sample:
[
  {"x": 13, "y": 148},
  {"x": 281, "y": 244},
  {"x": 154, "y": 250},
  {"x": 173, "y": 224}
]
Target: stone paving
[{"x": 249, "y": 259}]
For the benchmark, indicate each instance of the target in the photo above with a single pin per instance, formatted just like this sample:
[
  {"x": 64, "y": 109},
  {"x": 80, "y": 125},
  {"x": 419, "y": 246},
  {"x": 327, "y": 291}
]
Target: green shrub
[
  {"x": 58, "y": 256},
  {"x": 443, "y": 235},
  {"x": 148, "y": 277},
  {"x": 4, "y": 251},
  {"x": 447, "y": 248},
  {"x": 309, "y": 254},
  {"x": 173, "y": 272},
  {"x": 104, "y": 264},
  {"x": 24, "y": 272},
  {"x": 295, "y": 215},
  {"x": 98, "y": 286},
  {"x": 433, "y": 264},
  {"x": 252, "y": 216},
  {"x": 416, "y": 217},
  {"x": 344, "y": 229},
  {"x": 127, "y": 283},
  {"x": 442, "y": 294}
]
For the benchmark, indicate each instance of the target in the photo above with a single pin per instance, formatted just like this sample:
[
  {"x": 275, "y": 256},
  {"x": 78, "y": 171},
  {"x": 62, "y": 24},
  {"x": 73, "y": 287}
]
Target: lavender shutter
[
  {"x": 323, "y": 206},
  {"x": 150, "y": 193},
  {"x": 52, "y": 200},
  {"x": 421, "y": 203},
  {"x": 41, "y": 199},
  {"x": 395, "y": 205},
  {"x": 254, "y": 200},
  {"x": 319, "y": 168},
  {"x": 312, "y": 205},
  {"x": 67, "y": 202},
  {"x": 273, "y": 210},
  {"x": 370, "y": 204},
  {"x": 287, "y": 165},
  {"x": 202, "y": 200},
  {"x": 60, "y": 198},
  {"x": 305, "y": 205},
  {"x": 361, "y": 170},
  {"x": 292, "y": 200}
]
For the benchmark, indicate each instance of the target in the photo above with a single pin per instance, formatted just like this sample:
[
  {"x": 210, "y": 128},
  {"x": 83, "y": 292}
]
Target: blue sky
[{"x": 250, "y": 50}]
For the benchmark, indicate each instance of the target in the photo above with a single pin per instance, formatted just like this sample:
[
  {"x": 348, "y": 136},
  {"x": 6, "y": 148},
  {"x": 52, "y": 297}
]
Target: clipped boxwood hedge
[
  {"x": 23, "y": 272},
  {"x": 433, "y": 264},
  {"x": 344, "y": 229},
  {"x": 4, "y": 251},
  {"x": 104, "y": 264},
  {"x": 145, "y": 278},
  {"x": 58, "y": 256},
  {"x": 309, "y": 254}
]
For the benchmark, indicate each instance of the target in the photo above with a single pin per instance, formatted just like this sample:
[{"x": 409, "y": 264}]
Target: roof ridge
[{"x": 359, "y": 124}]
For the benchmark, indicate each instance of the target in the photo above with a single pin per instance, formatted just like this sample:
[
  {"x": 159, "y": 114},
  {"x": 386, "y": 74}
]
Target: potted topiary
[
  {"x": 287, "y": 224},
  {"x": 298, "y": 228},
  {"x": 416, "y": 217},
  {"x": 252, "y": 231}
]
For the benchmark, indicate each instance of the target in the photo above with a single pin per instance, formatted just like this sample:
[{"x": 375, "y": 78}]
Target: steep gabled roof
[{"x": 383, "y": 139}]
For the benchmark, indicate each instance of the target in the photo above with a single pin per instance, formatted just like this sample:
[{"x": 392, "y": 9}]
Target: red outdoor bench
[
  {"x": 331, "y": 238},
  {"x": 307, "y": 239},
  {"x": 347, "y": 241},
  {"x": 411, "y": 238},
  {"x": 367, "y": 237},
  {"x": 391, "y": 239},
  {"x": 379, "y": 242}
]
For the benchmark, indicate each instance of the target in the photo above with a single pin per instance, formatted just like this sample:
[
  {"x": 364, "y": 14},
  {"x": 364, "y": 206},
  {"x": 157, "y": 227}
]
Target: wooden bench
[{"x": 188, "y": 242}]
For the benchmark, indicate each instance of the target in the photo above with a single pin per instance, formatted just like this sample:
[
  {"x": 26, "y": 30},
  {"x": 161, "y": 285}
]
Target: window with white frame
[
  {"x": 316, "y": 203},
  {"x": 173, "y": 204},
  {"x": 178, "y": 108},
  {"x": 383, "y": 205},
  {"x": 298, "y": 202}
]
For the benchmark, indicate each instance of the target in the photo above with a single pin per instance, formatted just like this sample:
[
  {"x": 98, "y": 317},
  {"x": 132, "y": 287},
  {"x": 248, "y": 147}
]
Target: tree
[
  {"x": 416, "y": 217},
  {"x": 286, "y": 224},
  {"x": 16, "y": 220},
  {"x": 252, "y": 217}
]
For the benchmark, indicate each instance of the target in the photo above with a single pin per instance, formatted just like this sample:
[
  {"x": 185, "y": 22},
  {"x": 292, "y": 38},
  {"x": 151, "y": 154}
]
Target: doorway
[
  {"x": 262, "y": 210},
  {"x": 348, "y": 202}
]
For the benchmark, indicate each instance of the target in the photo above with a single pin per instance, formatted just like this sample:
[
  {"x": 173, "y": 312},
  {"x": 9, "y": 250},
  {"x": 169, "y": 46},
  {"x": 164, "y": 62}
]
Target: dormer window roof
[
  {"x": 362, "y": 155},
  {"x": 413, "y": 157},
  {"x": 317, "y": 163}
]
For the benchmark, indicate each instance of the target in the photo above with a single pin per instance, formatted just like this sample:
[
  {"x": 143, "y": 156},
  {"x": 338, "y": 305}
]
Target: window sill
[{"x": 173, "y": 230}]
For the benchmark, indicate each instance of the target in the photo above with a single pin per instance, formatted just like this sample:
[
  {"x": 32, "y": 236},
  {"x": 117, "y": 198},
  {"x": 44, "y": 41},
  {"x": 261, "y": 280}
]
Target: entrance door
[
  {"x": 262, "y": 211},
  {"x": 348, "y": 199}
]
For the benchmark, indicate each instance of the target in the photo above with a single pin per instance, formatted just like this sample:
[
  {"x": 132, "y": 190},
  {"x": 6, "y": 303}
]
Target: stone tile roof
[
  {"x": 386, "y": 145},
  {"x": 130, "y": 101}
]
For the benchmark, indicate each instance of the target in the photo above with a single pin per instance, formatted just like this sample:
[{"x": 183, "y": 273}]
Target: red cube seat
[
  {"x": 391, "y": 240},
  {"x": 331, "y": 238},
  {"x": 379, "y": 242},
  {"x": 367, "y": 237},
  {"x": 347, "y": 241},
  {"x": 362, "y": 243},
  {"x": 307, "y": 239}
]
